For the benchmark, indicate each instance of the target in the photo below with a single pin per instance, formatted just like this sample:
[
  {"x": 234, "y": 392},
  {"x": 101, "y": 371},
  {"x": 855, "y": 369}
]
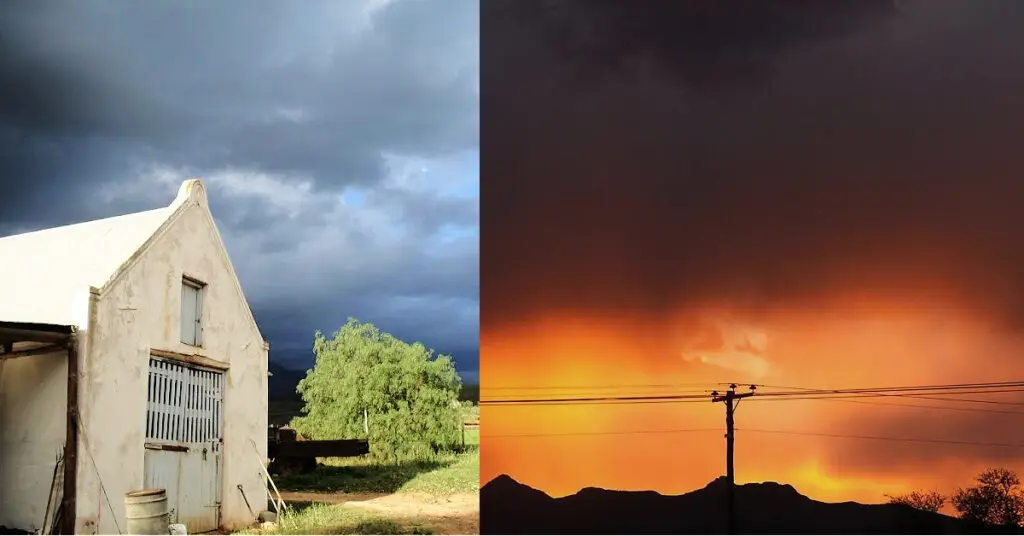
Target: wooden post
[
  {"x": 730, "y": 450},
  {"x": 730, "y": 399},
  {"x": 71, "y": 442}
]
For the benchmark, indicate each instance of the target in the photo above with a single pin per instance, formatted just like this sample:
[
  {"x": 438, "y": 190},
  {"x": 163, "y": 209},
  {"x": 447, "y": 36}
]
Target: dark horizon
[
  {"x": 511, "y": 507},
  {"x": 294, "y": 360},
  {"x": 719, "y": 480}
]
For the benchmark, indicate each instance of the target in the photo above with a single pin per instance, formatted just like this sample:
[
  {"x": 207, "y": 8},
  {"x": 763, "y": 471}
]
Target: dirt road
[{"x": 453, "y": 514}]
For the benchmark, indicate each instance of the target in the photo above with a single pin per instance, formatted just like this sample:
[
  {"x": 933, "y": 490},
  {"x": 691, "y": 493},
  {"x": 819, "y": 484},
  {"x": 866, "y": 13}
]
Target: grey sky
[{"x": 339, "y": 140}]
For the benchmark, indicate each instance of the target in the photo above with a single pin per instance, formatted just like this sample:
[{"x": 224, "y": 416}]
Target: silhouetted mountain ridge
[
  {"x": 508, "y": 507},
  {"x": 509, "y": 489}
]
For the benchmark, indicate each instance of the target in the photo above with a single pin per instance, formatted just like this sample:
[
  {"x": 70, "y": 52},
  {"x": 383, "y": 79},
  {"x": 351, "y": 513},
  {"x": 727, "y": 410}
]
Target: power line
[
  {"x": 731, "y": 398},
  {"x": 972, "y": 400},
  {"x": 891, "y": 404},
  {"x": 572, "y": 395},
  {"x": 723, "y": 384},
  {"x": 599, "y": 391},
  {"x": 596, "y": 399},
  {"x": 579, "y": 397},
  {"x": 712, "y": 385},
  {"x": 803, "y": 393},
  {"x": 590, "y": 399},
  {"x": 765, "y": 431},
  {"x": 913, "y": 388},
  {"x": 601, "y": 387},
  {"x": 1008, "y": 383},
  {"x": 623, "y": 432},
  {"x": 816, "y": 396},
  {"x": 883, "y": 438},
  {"x": 947, "y": 398}
]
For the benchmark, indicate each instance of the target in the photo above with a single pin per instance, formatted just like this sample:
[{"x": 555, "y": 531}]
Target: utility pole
[{"x": 731, "y": 399}]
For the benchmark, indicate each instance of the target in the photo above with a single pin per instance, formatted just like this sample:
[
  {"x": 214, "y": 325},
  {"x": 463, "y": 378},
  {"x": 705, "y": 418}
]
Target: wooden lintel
[
  {"x": 190, "y": 359},
  {"x": 165, "y": 446},
  {"x": 28, "y": 335},
  {"x": 41, "y": 350}
]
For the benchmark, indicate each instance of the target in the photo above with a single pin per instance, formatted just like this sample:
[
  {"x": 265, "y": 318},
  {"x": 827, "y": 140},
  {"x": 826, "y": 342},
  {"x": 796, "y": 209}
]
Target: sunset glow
[
  {"x": 846, "y": 343},
  {"x": 802, "y": 197}
]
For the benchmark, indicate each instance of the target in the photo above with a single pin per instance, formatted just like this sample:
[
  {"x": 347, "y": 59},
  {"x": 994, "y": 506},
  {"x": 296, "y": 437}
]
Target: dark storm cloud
[
  {"x": 704, "y": 42},
  {"x": 276, "y": 86},
  {"x": 283, "y": 108},
  {"x": 877, "y": 153}
]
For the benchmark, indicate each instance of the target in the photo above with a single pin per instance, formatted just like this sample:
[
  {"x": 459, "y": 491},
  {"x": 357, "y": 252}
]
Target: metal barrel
[{"x": 146, "y": 512}]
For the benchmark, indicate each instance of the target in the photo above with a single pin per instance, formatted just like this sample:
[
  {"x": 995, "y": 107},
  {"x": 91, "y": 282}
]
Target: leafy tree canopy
[
  {"x": 369, "y": 384},
  {"x": 997, "y": 499}
]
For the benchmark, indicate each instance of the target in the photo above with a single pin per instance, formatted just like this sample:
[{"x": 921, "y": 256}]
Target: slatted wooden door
[{"x": 183, "y": 440}]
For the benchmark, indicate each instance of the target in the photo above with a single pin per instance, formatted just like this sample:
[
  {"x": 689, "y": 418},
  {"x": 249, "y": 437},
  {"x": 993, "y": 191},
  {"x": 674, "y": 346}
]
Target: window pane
[{"x": 189, "y": 300}]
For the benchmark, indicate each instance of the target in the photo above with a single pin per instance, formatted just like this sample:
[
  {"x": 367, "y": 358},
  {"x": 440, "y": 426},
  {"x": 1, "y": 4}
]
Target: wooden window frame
[{"x": 200, "y": 288}]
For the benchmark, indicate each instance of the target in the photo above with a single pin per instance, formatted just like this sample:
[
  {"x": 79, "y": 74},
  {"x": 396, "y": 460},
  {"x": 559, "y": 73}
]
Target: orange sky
[
  {"x": 836, "y": 174},
  {"x": 861, "y": 343}
]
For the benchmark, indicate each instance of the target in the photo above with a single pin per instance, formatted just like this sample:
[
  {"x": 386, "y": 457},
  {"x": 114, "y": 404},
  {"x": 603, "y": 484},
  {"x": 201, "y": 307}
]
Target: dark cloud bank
[{"x": 646, "y": 154}]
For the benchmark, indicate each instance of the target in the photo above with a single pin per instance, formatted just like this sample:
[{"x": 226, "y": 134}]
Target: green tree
[
  {"x": 366, "y": 380},
  {"x": 928, "y": 501},
  {"x": 997, "y": 499}
]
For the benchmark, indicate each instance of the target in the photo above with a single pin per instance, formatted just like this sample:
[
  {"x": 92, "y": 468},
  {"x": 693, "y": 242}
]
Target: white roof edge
[{"x": 192, "y": 190}]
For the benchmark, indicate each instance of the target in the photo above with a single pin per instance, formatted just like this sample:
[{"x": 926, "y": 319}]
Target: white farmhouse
[{"x": 128, "y": 350}]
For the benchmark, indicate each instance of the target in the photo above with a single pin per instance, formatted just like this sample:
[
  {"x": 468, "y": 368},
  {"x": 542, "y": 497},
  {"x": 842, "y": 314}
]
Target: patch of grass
[
  {"x": 444, "y": 475},
  {"x": 318, "y": 518},
  {"x": 358, "y": 475},
  {"x": 473, "y": 437},
  {"x": 460, "y": 476}
]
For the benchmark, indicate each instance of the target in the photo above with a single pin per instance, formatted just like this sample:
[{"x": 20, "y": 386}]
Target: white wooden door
[{"x": 183, "y": 440}]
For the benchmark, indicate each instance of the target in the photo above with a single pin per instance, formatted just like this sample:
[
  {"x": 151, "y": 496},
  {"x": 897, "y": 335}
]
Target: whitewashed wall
[
  {"x": 139, "y": 312},
  {"x": 33, "y": 399}
]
